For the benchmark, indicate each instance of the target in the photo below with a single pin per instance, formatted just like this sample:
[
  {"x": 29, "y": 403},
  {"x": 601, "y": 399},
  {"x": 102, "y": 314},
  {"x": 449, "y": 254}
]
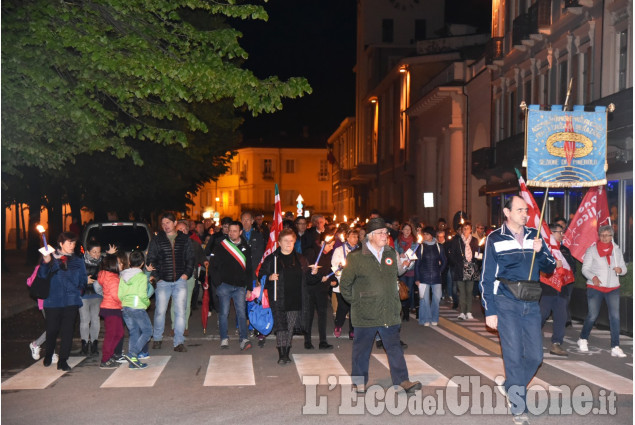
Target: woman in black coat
[
  {"x": 289, "y": 269},
  {"x": 463, "y": 253}
]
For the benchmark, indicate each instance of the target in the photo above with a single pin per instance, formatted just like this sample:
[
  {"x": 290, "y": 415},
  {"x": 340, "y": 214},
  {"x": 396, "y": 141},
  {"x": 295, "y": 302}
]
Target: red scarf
[
  {"x": 405, "y": 242},
  {"x": 605, "y": 249}
]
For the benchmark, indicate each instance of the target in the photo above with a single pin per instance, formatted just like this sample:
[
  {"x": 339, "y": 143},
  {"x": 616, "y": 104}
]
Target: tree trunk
[
  {"x": 56, "y": 220},
  {"x": 33, "y": 241}
]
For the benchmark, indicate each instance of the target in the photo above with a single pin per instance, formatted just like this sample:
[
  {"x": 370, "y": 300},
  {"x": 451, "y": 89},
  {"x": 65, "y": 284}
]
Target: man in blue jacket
[{"x": 508, "y": 259}]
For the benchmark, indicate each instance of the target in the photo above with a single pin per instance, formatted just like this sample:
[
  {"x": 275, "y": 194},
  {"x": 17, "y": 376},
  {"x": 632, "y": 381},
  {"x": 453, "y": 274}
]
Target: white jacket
[
  {"x": 594, "y": 265},
  {"x": 337, "y": 259}
]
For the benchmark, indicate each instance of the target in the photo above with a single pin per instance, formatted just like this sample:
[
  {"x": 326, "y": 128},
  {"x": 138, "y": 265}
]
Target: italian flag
[
  {"x": 235, "y": 252},
  {"x": 276, "y": 228}
]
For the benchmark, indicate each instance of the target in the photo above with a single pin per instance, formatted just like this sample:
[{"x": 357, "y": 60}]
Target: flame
[
  {"x": 345, "y": 219},
  {"x": 40, "y": 228},
  {"x": 342, "y": 238},
  {"x": 482, "y": 242},
  {"x": 366, "y": 220},
  {"x": 449, "y": 237},
  {"x": 328, "y": 238},
  {"x": 334, "y": 217},
  {"x": 419, "y": 238}
]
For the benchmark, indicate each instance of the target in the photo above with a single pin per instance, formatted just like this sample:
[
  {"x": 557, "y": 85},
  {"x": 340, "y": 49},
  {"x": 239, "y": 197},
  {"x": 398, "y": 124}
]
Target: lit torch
[
  {"x": 480, "y": 244},
  {"x": 342, "y": 237},
  {"x": 324, "y": 242},
  {"x": 42, "y": 231},
  {"x": 419, "y": 239},
  {"x": 345, "y": 219}
]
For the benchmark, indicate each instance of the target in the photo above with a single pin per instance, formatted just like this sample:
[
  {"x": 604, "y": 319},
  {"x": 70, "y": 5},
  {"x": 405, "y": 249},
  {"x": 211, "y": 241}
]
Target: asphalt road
[{"x": 456, "y": 361}]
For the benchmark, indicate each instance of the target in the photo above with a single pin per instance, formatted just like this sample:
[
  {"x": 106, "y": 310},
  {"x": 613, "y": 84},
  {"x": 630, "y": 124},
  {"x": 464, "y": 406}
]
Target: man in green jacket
[{"x": 369, "y": 283}]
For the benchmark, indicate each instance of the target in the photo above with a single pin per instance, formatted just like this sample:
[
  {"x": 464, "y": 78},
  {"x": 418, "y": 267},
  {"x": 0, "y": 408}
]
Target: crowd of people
[{"x": 354, "y": 267}]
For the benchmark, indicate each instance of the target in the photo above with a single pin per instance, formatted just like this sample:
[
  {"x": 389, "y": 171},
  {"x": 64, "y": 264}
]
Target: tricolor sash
[{"x": 235, "y": 252}]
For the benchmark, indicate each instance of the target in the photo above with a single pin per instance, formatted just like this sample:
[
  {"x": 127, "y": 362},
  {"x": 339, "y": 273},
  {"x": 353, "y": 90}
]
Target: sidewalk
[{"x": 14, "y": 293}]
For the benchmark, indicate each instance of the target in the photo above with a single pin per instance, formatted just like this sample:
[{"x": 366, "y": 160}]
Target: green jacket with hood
[{"x": 133, "y": 289}]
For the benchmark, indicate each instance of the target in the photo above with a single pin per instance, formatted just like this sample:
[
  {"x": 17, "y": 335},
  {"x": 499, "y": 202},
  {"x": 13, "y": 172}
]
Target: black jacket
[
  {"x": 277, "y": 306},
  {"x": 171, "y": 262},
  {"x": 256, "y": 244},
  {"x": 226, "y": 269},
  {"x": 456, "y": 254},
  {"x": 315, "y": 280}
]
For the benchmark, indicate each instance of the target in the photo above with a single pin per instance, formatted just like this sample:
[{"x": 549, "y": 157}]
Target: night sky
[{"x": 316, "y": 39}]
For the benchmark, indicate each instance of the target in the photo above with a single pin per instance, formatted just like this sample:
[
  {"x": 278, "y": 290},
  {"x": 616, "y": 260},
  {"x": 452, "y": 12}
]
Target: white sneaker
[
  {"x": 434, "y": 323},
  {"x": 469, "y": 316},
  {"x": 55, "y": 358},
  {"x": 224, "y": 343},
  {"x": 617, "y": 352},
  {"x": 426, "y": 324},
  {"x": 462, "y": 316},
  {"x": 583, "y": 344},
  {"x": 35, "y": 351},
  {"x": 500, "y": 387}
]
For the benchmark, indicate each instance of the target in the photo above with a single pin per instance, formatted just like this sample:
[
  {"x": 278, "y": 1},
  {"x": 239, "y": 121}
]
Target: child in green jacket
[{"x": 133, "y": 293}]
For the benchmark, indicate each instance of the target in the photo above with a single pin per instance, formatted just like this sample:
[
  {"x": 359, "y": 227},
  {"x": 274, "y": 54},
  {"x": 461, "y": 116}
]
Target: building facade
[
  {"x": 442, "y": 119},
  {"x": 250, "y": 182}
]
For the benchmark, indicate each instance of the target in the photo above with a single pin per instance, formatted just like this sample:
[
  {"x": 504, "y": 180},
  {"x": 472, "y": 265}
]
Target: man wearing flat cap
[{"x": 369, "y": 282}]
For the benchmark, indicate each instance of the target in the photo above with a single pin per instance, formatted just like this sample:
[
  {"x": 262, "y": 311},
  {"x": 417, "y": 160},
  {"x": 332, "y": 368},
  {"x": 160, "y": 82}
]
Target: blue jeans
[
  {"x": 363, "y": 345},
  {"x": 429, "y": 309},
  {"x": 558, "y": 304},
  {"x": 594, "y": 299},
  {"x": 140, "y": 329},
  {"x": 226, "y": 293},
  {"x": 178, "y": 291},
  {"x": 451, "y": 288},
  {"x": 521, "y": 343},
  {"x": 410, "y": 283}
]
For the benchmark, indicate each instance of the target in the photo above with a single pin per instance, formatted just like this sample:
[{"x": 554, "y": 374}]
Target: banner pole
[{"x": 542, "y": 213}]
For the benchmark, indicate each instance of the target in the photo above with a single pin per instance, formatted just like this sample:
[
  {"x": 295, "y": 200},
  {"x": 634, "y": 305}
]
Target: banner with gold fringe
[{"x": 566, "y": 148}]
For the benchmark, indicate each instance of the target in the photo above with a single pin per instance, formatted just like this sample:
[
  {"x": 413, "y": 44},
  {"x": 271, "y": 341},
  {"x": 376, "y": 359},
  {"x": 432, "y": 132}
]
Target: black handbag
[
  {"x": 523, "y": 290},
  {"x": 41, "y": 287}
]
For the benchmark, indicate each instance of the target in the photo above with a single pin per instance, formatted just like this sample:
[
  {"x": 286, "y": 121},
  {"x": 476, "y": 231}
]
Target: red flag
[
  {"x": 592, "y": 213},
  {"x": 276, "y": 228},
  {"x": 562, "y": 275}
]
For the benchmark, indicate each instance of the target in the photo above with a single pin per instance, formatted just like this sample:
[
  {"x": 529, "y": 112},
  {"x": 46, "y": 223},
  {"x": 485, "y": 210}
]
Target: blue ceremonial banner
[{"x": 566, "y": 148}]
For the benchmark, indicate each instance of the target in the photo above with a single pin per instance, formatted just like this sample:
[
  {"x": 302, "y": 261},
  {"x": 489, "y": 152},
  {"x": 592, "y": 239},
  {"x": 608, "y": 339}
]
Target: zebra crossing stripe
[
  {"x": 419, "y": 370},
  {"x": 595, "y": 375},
  {"x": 460, "y": 341},
  {"x": 322, "y": 365},
  {"x": 230, "y": 371},
  {"x": 491, "y": 367},
  {"x": 37, "y": 377},
  {"x": 486, "y": 343},
  {"x": 124, "y": 377}
]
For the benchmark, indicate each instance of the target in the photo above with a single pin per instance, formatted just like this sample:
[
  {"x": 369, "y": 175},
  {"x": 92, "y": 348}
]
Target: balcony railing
[{"x": 522, "y": 29}]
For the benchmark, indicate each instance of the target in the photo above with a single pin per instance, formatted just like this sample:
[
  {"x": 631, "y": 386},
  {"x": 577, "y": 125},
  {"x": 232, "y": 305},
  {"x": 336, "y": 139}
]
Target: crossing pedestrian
[
  {"x": 516, "y": 314},
  {"x": 369, "y": 284}
]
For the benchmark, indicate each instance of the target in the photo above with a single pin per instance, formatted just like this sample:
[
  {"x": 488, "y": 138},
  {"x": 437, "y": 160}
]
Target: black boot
[
  {"x": 287, "y": 359},
  {"x": 406, "y": 314},
  {"x": 94, "y": 348},
  {"x": 85, "y": 348},
  {"x": 281, "y": 352}
]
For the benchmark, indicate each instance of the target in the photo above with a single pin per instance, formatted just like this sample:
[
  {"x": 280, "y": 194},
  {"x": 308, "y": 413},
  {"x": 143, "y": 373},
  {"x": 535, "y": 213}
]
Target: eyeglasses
[
  {"x": 606, "y": 235},
  {"x": 380, "y": 232}
]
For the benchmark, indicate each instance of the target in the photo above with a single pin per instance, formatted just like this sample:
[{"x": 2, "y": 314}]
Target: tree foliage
[{"x": 121, "y": 77}]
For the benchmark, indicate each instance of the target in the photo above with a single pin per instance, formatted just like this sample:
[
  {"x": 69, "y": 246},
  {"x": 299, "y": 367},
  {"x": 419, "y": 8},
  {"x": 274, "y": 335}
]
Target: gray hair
[{"x": 606, "y": 228}]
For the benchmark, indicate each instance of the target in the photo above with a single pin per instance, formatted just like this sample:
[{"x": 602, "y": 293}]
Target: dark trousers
[
  {"x": 60, "y": 320},
  {"x": 317, "y": 301},
  {"x": 558, "y": 304},
  {"x": 363, "y": 345},
  {"x": 343, "y": 308}
]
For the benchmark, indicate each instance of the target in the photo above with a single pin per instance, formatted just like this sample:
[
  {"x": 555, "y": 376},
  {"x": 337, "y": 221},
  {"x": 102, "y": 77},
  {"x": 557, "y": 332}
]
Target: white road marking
[
  {"x": 322, "y": 365},
  {"x": 460, "y": 341},
  {"x": 230, "y": 371},
  {"x": 124, "y": 377},
  {"x": 491, "y": 367},
  {"x": 418, "y": 370},
  {"x": 595, "y": 375},
  {"x": 38, "y": 377}
]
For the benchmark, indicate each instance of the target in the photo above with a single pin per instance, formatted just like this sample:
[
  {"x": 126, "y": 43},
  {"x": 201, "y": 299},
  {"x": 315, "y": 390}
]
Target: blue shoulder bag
[{"x": 259, "y": 317}]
